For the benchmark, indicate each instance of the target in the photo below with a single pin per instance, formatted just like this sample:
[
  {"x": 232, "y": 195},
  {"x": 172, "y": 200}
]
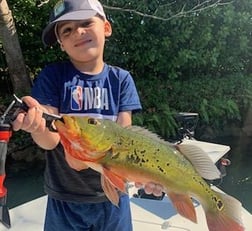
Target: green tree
[
  {"x": 180, "y": 53},
  {"x": 13, "y": 54}
]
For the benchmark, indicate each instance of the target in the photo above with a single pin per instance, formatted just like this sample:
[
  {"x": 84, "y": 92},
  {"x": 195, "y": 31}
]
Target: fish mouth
[
  {"x": 61, "y": 120},
  {"x": 63, "y": 123}
]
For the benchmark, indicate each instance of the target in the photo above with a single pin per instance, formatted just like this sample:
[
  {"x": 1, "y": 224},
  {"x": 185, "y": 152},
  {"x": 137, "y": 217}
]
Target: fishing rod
[{"x": 5, "y": 134}]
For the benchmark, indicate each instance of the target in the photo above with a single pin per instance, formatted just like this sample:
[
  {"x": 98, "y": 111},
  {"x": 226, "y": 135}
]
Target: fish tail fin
[
  {"x": 184, "y": 205},
  {"x": 228, "y": 218}
]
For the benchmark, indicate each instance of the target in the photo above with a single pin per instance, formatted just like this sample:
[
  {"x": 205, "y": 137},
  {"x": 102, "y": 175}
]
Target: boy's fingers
[
  {"x": 138, "y": 185},
  {"x": 18, "y": 122},
  {"x": 158, "y": 190},
  {"x": 29, "y": 101}
]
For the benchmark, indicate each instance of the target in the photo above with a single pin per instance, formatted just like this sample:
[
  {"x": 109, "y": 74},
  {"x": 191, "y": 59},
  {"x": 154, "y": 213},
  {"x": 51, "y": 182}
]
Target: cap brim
[{"x": 48, "y": 35}]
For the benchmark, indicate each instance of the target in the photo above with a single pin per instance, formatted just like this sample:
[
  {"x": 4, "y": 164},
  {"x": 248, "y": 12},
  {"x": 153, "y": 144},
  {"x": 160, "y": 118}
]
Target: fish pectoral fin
[
  {"x": 116, "y": 149},
  {"x": 115, "y": 180},
  {"x": 110, "y": 191},
  {"x": 184, "y": 205},
  {"x": 200, "y": 160},
  {"x": 110, "y": 182}
]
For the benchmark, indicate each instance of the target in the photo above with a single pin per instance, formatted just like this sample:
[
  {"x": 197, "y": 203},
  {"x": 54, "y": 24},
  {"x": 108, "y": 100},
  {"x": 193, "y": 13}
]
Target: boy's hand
[
  {"x": 151, "y": 188},
  {"x": 31, "y": 121}
]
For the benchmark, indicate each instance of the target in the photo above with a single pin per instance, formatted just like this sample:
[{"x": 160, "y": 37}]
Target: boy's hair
[{"x": 70, "y": 10}]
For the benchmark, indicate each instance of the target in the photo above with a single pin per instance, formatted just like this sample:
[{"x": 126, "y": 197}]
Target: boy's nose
[{"x": 80, "y": 30}]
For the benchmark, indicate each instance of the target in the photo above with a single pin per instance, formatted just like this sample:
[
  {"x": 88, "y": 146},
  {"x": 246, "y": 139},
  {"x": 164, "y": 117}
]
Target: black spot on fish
[
  {"x": 168, "y": 164},
  {"x": 137, "y": 160},
  {"x": 220, "y": 205},
  {"x": 160, "y": 169},
  {"x": 201, "y": 183},
  {"x": 133, "y": 158},
  {"x": 214, "y": 198},
  {"x": 143, "y": 151},
  {"x": 130, "y": 158}
]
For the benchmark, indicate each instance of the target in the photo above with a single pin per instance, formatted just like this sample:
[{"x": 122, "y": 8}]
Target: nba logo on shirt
[{"x": 76, "y": 98}]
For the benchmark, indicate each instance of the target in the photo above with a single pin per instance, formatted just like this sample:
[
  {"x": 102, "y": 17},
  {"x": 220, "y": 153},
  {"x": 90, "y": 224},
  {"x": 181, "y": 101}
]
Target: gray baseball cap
[{"x": 70, "y": 10}]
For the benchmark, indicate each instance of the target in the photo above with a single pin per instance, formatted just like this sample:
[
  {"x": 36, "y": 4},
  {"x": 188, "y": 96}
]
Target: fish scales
[
  {"x": 134, "y": 154},
  {"x": 155, "y": 160}
]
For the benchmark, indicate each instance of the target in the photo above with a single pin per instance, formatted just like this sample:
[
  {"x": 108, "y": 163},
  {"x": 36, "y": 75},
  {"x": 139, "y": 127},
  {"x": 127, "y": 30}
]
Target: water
[
  {"x": 27, "y": 183},
  {"x": 24, "y": 181},
  {"x": 238, "y": 181}
]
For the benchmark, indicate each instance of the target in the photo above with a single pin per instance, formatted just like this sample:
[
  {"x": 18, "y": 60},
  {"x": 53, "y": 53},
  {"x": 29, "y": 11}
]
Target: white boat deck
[
  {"x": 151, "y": 215},
  {"x": 147, "y": 215}
]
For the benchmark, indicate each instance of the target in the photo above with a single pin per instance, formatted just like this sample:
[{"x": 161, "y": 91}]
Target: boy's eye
[
  {"x": 66, "y": 30},
  {"x": 85, "y": 24}
]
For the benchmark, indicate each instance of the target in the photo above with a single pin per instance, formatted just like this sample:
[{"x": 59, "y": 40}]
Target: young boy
[{"x": 84, "y": 85}]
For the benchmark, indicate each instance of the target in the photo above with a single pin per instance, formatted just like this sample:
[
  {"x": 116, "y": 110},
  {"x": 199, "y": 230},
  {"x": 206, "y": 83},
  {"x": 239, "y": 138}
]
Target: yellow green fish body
[{"x": 133, "y": 154}]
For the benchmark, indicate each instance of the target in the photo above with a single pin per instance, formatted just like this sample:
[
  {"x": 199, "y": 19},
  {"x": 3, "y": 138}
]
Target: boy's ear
[
  {"x": 62, "y": 47},
  {"x": 107, "y": 29}
]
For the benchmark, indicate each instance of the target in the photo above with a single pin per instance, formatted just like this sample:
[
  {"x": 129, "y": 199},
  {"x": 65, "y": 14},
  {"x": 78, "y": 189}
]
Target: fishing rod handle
[
  {"x": 5, "y": 134},
  {"x": 3, "y": 153}
]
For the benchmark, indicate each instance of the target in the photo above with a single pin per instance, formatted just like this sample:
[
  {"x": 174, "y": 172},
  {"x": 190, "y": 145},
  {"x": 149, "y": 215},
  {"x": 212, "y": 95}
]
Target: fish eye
[{"x": 92, "y": 121}]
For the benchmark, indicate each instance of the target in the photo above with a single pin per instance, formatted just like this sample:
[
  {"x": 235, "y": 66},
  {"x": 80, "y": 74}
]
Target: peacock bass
[{"x": 124, "y": 155}]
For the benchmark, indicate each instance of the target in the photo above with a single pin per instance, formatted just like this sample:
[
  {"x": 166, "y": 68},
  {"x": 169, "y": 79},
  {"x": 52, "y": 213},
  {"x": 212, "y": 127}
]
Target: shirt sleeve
[
  {"x": 45, "y": 88},
  {"x": 129, "y": 99}
]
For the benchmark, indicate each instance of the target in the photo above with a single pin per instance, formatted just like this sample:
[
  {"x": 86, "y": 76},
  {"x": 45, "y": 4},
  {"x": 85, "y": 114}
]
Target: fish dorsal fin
[
  {"x": 200, "y": 160},
  {"x": 198, "y": 157},
  {"x": 147, "y": 133}
]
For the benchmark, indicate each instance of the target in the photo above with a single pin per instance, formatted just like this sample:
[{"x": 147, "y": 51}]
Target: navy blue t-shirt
[{"x": 103, "y": 95}]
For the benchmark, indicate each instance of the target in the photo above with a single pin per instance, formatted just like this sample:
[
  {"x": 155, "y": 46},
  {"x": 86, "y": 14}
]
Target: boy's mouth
[{"x": 83, "y": 42}]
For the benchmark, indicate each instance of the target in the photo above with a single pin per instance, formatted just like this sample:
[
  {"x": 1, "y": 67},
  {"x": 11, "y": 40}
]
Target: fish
[{"x": 134, "y": 154}]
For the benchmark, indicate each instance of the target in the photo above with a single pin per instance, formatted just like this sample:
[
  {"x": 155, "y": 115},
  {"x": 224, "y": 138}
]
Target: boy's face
[{"x": 84, "y": 40}]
